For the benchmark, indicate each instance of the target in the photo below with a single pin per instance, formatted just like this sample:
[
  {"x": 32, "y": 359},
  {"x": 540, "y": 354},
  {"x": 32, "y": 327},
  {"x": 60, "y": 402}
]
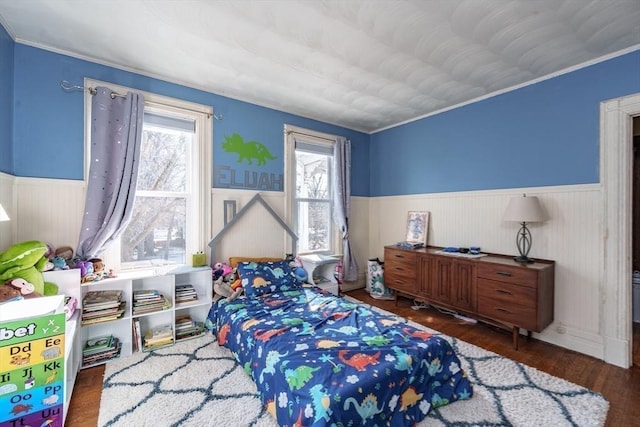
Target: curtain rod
[
  {"x": 68, "y": 87},
  {"x": 288, "y": 132}
]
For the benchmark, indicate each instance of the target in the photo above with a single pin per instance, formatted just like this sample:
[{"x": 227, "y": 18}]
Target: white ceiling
[{"x": 362, "y": 64}]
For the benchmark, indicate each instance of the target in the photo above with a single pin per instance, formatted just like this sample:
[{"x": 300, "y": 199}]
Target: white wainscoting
[
  {"x": 7, "y": 199},
  {"x": 572, "y": 237},
  {"x": 49, "y": 210}
]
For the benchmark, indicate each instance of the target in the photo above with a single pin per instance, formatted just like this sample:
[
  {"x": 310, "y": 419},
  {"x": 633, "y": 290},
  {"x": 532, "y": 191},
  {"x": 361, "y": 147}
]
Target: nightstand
[{"x": 320, "y": 269}]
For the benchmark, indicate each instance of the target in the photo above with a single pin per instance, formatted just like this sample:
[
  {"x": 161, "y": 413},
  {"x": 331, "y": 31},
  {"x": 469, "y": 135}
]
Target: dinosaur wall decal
[{"x": 246, "y": 150}]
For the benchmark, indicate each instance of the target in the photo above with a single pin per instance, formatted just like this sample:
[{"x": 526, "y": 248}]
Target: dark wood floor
[{"x": 621, "y": 387}]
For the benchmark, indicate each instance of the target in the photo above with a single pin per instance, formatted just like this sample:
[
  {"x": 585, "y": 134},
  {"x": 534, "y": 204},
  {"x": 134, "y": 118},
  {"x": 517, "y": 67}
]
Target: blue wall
[
  {"x": 49, "y": 122},
  {"x": 6, "y": 101},
  {"x": 540, "y": 135}
]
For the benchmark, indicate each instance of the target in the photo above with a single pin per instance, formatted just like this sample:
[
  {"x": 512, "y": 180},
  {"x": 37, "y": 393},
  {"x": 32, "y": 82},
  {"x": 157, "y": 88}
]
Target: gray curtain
[
  {"x": 341, "y": 202},
  {"x": 116, "y": 135}
]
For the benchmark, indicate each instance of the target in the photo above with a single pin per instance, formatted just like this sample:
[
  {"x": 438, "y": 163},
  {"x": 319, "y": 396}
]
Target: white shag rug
[{"x": 198, "y": 383}]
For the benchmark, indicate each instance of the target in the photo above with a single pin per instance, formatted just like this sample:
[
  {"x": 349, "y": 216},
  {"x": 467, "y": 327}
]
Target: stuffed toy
[
  {"x": 98, "y": 268},
  {"x": 224, "y": 290},
  {"x": 301, "y": 274},
  {"x": 59, "y": 263},
  {"x": 26, "y": 289},
  {"x": 9, "y": 293},
  {"x": 83, "y": 266},
  {"x": 66, "y": 252},
  {"x": 51, "y": 251},
  {"x": 221, "y": 269},
  {"x": 86, "y": 271},
  {"x": 26, "y": 261},
  {"x": 232, "y": 280},
  {"x": 296, "y": 268}
]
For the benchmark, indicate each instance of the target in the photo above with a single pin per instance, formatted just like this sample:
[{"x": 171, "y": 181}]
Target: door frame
[{"x": 616, "y": 169}]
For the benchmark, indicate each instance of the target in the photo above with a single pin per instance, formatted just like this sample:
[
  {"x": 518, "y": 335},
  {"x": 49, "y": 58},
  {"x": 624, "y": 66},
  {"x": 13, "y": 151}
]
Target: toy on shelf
[
  {"x": 59, "y": 263},
  {"x": 93, "y": 270},
  {"x": 26, "y": 289},
  {"x": 58, "y": 258},
  {"x": 27, "y": 260}
]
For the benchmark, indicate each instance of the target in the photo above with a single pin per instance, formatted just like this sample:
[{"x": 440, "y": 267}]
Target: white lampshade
[
  {"x": 524, "y": 209},
  {"x": 3, "y": 214}
]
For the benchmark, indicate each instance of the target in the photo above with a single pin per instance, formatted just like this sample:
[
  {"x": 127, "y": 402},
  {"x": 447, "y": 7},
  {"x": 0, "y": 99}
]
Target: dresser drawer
[
  {"x": 396, "y": 281},
  {"x": 402, "y": 269},
  {"x": 399, "y": 262},
  {"x": 523, "y": 317},
  {"x": 399, "y": 256},
  {"x": 512, "y": 304},
  {"x": 505, "y": 273}
]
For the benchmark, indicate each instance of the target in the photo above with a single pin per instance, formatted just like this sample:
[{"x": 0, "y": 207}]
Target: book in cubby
[
  {"x": 149, "y": 301},
  {"x": 137, "y": 335},
  {"x": 100, "y": 349},
  {"x": 187, "y": 328},
  {"x": 159, "y": 336},
  {"x": 186, "y": 293},
  {"x": 102, "y": 306}
]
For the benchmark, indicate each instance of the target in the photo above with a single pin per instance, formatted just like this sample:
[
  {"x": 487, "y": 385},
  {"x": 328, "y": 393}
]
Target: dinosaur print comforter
[{"x": 318, "y": 360}]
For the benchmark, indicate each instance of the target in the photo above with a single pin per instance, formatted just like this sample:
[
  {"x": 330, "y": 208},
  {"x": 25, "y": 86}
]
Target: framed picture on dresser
[{"x": 417, "y": 227}]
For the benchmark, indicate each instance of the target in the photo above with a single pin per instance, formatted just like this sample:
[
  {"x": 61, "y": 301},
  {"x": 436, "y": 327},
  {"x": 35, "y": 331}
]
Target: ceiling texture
[{"x": 363, "y": 64}]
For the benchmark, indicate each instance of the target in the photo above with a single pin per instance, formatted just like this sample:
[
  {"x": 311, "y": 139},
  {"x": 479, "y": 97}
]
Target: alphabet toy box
[{"x": 32, "y": 362}]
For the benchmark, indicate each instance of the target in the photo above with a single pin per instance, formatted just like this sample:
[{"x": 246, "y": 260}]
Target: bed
[{"x": 319, "y": 359}]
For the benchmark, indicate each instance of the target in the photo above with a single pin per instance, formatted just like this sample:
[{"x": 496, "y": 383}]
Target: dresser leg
[{"x": 516, "y": 334}]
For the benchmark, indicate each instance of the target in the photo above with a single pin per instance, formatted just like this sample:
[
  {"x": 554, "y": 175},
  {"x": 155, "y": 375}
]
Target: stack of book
[
  {"x": 188, "y": 328},
  {"x": 185, "y": 293},
  {"x": 148, "y": 301},
  {"x": 100, "y": 349},
  {"x": 102, "y": 306},
  {"x": 410, "y": 245},
  {"x": 157, "y": 337},
  {"x": 136, "y": 334}
]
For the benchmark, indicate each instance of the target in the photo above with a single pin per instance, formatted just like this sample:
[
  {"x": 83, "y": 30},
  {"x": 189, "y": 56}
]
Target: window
[
  {"x": 169, "y": 221},
  {"x": 309, "y": 189}
]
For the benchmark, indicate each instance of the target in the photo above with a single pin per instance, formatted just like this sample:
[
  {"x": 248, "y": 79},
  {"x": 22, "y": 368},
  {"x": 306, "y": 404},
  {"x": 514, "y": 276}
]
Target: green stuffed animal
[{"x": 26, "y": 261}]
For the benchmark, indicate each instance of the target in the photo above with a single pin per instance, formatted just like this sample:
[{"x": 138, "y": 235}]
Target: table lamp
[{"x": 524, "y": 210}]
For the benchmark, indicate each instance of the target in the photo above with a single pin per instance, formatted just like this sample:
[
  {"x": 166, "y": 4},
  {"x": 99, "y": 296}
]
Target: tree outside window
[{"x": 313, "y": 200}]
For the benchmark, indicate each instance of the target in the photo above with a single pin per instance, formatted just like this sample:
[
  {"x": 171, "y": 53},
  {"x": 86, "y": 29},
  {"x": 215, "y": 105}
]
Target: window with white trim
[
  {"x": 309, "y": 188},
  {"x": 172, "y": 202}
]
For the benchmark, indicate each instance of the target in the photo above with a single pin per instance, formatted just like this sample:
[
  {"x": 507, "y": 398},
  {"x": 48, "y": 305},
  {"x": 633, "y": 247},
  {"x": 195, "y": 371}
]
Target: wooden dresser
[{"x": 492, "y": 288}]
